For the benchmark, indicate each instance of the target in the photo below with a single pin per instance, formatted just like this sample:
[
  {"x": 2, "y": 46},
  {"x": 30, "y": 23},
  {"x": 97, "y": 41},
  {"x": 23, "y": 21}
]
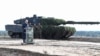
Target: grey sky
[{"x": 76, "y": 10}]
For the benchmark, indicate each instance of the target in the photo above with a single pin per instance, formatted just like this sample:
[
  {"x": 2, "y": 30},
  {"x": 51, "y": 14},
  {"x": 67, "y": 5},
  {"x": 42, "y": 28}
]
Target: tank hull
[{"x": 47, "y": 32}]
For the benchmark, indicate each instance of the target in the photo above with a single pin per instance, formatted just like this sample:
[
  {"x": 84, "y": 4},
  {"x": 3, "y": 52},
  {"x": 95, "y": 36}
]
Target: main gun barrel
[{"x": 73, "y": 22}]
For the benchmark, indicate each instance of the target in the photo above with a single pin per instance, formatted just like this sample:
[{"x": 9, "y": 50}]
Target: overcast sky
[{"x": 76, "y": 10}]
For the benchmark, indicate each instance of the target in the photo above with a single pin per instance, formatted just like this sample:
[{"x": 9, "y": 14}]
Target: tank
[{"x": 50, "y": 27}]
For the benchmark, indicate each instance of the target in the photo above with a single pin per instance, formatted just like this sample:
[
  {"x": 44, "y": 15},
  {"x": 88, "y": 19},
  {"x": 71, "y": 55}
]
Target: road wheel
[
  {"x": 10, "y": 33},
  {"x": 17, "y": 36},
  {"x": 13, "y": 36}
]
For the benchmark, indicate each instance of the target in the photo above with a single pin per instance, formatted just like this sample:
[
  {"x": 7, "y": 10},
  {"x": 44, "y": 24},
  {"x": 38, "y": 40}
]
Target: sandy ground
[{"x": 55, "y": 47}]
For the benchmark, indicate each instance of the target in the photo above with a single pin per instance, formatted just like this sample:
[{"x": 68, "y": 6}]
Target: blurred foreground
[{"x": 55, "y": 47}]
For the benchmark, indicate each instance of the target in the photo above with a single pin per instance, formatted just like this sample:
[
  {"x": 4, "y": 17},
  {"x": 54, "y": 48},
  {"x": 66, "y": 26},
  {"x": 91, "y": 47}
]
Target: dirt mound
[{"x": 18, "y": 52}]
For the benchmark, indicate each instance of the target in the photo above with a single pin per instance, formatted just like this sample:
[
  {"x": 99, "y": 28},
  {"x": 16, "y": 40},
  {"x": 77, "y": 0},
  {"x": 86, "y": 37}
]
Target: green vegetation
[
  {"x": 57, "y": 32},
  {"x": 52, "y": 21}
]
